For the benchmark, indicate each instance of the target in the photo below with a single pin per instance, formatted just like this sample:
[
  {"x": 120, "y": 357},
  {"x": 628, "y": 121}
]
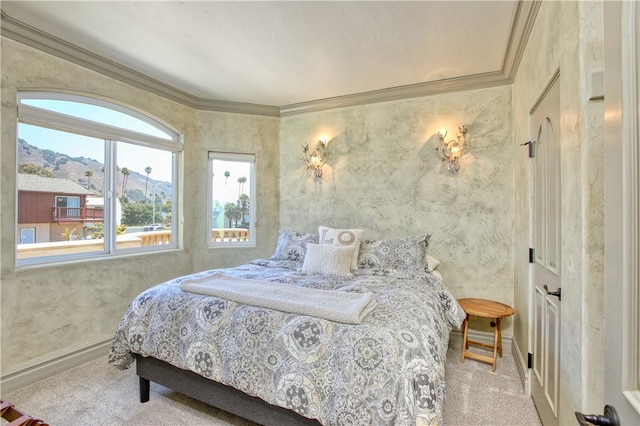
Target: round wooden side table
[{"x": 487, "y": 309}]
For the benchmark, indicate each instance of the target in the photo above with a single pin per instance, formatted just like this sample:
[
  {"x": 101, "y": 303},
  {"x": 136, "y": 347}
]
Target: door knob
[
  {"x": 557, "y": 293},
  {"x": 610, "y": 418}
]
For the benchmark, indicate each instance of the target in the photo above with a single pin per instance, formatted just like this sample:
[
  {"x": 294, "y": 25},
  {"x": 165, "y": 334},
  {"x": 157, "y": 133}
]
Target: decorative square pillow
[
  {"x": 342, "y": 237},
  {"x": 404, "y": 253},
  {"x": 292, "y": 245},
  {"x": 328, "y": 259}
]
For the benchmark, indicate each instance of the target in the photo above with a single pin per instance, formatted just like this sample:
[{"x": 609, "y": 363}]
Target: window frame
[
  {"x": 111, "y": 136},
  {"x": 235, "y": 157}
]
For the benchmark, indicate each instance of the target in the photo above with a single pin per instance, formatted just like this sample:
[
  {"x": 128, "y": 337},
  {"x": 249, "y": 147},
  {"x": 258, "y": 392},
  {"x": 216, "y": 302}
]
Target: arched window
[{"x": 94, "y": 178}]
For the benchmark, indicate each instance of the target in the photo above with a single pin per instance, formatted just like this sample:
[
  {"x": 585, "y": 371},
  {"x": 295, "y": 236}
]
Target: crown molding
[
  {"x": 524, "y": 18},
  {"x": 204, "y": 104},
  {"x": 33, "y": 37},
  {"x": 399, "y": 93}
]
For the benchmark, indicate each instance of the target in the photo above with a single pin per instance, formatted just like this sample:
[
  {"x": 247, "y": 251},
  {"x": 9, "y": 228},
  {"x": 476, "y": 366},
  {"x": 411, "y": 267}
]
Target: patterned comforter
[{"x": 387, "y": 370}]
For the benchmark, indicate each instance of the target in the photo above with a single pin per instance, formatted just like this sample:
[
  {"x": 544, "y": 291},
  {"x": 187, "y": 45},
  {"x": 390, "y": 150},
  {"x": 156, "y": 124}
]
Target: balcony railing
[
  {"x": 229, "y": 234},
  {"x": 77, "y": 214},
  {"x": 154, "y": 238},
  {"x": 138, "y": 239}
]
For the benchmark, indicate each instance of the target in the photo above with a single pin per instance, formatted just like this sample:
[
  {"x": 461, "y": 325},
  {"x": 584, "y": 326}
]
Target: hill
[{"x": 75, "y": 169}]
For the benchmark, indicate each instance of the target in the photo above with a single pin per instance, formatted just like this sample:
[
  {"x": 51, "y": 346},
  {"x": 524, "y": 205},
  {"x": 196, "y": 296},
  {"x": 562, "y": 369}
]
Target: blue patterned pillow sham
[
  {"x": 271, "y": 263},
  {"x": 405, "y": 254},
  {"x": 293, "y": 245}
]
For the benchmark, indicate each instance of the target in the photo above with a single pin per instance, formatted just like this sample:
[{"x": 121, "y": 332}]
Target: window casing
[
  {"x": 232, "y": 200},
  {"x": 108, "y": 169}
]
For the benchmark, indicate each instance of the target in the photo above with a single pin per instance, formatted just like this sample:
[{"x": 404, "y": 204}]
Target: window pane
[
  {"x": 98, "y": 114},
  {"x": 137, "y": 170},
  {"x": 145, "y": 194},
  {"x": 60, "y": 188},
  {"x": 231, "y": 208}
]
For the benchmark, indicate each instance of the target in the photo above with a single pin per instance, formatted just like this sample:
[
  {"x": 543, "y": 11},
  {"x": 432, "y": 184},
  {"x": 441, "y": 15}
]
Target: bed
[{"x": 383, "y": 365}]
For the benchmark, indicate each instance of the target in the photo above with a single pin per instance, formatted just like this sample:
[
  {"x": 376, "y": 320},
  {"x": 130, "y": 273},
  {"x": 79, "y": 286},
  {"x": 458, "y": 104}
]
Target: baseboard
[
  {"x": 46, "y": 366},
  {"x": 521, "y": 365}
]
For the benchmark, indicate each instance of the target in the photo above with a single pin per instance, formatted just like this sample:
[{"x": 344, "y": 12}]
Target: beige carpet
[{"x": 96, "y": 393}]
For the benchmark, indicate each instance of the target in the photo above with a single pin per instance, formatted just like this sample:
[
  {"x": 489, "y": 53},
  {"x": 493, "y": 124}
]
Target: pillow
[
  {"x": 292, "y": 245},
  {"x": 432, "y": 263},
  {"x": 328, "y": 259},
  {"x": 404, "y": 253},
  {"x": 342, "y": 237}
]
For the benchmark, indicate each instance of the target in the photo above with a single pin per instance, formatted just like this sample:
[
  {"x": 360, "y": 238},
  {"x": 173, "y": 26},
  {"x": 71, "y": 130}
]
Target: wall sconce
[
  {"x": 452, "y": 151},
  {"x": 316, "y": 159}
]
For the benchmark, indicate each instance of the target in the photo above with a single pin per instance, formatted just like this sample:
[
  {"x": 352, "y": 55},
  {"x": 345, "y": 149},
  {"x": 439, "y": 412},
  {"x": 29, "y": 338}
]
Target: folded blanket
[{"x": 334, "y": 305}]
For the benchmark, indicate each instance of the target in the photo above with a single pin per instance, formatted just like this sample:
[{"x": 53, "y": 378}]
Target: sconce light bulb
[
  {"x": 324, "y": 140},
  {"x": 455, "y": 152},
  {"x": 451, "y": 151}
]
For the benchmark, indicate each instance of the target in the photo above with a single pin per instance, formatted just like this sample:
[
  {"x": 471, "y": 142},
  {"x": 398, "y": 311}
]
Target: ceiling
[{"x": 278, "y": 53}]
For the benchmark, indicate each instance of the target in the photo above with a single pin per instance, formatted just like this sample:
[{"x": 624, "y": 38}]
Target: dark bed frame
[{"x": 213, "y": 393}]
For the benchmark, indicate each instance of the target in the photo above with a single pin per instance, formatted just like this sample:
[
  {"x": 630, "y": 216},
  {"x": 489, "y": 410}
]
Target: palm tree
[
  {"x": 226, "y": 176},
  {"x": 88, "y": 174},
  {"x": 241, "y": 182},
  {"x": 125, "y": 173},
  {"x": 147, "y": 171},
  {"x": 243, "y": 205},
  {"x": 232, "y": 212}
]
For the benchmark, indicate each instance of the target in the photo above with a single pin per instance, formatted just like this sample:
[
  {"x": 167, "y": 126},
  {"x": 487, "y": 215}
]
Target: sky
[
  {"x": 134, "y": 157},
  {"x": 226, "y": 190}
]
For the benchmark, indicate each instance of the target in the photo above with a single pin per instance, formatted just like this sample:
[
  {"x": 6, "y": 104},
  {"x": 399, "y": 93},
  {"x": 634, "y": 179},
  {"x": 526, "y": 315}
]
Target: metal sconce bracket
[
  {"x": 452, "y": 150},
  {"x": 316, "y": 159}
]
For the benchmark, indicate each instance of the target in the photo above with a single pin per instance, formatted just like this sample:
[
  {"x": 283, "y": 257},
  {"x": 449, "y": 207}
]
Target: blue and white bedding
[{"x": 389, "y": 369}]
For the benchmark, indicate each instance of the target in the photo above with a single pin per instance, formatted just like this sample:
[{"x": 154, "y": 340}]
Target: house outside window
[
  {"x": 93, "y": 176},
  {"x": 232, "y": 200}
]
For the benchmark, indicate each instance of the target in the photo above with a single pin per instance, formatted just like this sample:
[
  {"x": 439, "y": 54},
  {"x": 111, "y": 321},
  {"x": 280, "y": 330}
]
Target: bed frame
[{"x": 213, "y": 393}]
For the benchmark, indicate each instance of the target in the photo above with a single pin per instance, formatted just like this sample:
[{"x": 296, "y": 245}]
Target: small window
[
  {"x": 232, "y": 199},
  {"x": 94, "y": 179},
  {"x": 67, "y": 207},
  {"x": 27, "y": 235}
]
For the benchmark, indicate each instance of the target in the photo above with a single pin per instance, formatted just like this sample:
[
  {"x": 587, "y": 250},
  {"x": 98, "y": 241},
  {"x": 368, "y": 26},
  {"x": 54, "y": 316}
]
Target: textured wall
[
  {"x": 384, "y": 175},
  {"x": 225, "y": 132},
  {"x": 52, "y": 309},
  {"x": 570, "y": 35}
]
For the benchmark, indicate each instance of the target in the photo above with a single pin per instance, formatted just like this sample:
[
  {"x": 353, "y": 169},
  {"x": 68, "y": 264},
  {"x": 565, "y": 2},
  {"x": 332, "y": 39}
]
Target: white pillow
[
  {"x": 328, "y": 259},
  {"x": 432, "y": 263},
  {"x": 438, "y": 274},
  {"x": 342, "y": 237}
]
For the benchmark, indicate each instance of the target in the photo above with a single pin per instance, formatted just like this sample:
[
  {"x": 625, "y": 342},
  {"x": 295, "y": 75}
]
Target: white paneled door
[{"x": 545, "y": 175}]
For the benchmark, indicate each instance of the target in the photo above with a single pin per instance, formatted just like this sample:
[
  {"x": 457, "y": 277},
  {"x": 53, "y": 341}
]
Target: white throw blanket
[{"x": 334, "y": 305}]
